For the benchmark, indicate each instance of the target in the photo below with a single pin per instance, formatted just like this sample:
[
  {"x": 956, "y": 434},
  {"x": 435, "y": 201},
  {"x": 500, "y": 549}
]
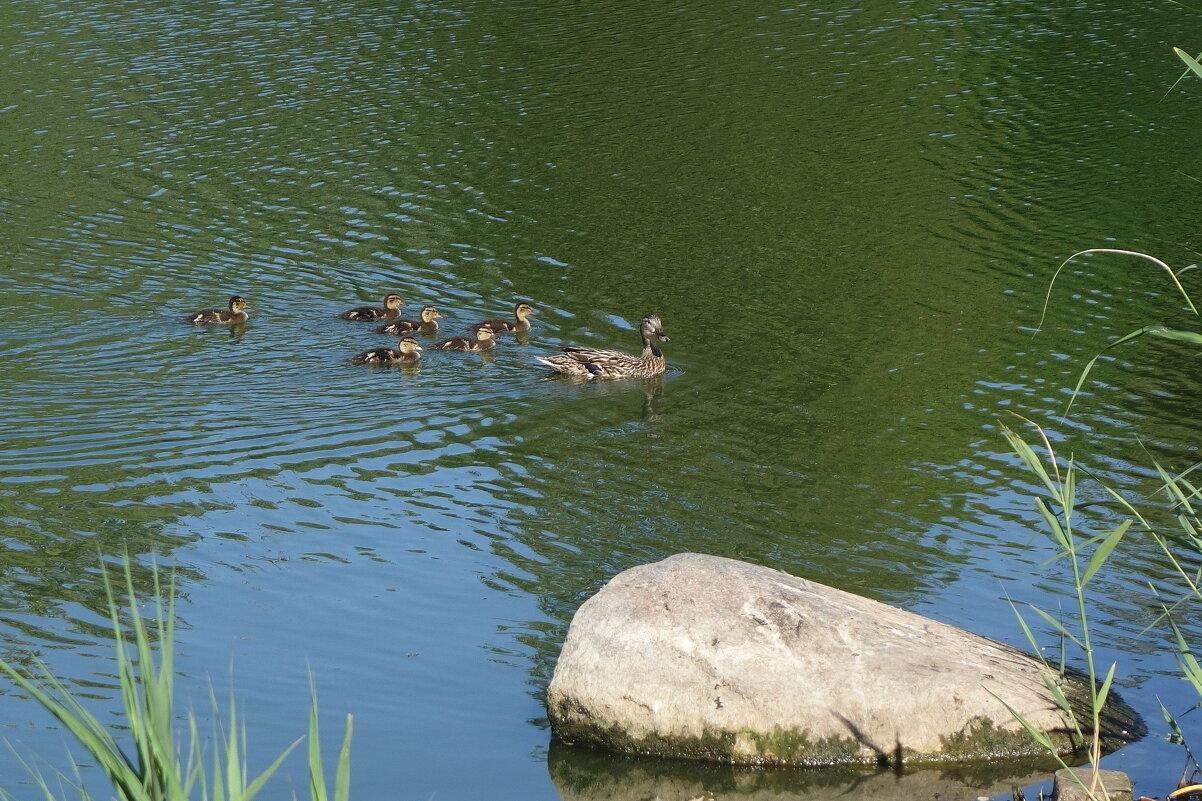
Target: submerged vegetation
[{"x": 158, "y": 764}]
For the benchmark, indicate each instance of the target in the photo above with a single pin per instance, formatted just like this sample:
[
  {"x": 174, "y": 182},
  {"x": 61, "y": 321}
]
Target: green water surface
[{"x": 846, "y": 215}]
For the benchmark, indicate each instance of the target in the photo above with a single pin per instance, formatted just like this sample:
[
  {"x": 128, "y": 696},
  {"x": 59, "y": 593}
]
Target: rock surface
[
  {"x": 710, "y": 658},
  {"x": 1083, "y": 784}
]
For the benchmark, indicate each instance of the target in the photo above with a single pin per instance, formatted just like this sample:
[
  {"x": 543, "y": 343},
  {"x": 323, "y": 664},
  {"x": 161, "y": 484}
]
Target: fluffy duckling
[
  {"x": 521, "y": 312},
  {"x": 482, "y": 341},
  {"x": 390, "y": 311},
  {"x": 235, "y": 314},
  {"x": 601, "y": 363},
  {"x": 406, "y": 352},
  {"x": 428, "y": 323}
]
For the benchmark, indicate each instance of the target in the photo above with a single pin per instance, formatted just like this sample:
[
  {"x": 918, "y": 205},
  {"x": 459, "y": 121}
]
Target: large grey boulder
[{"x": 711, "y": 658}]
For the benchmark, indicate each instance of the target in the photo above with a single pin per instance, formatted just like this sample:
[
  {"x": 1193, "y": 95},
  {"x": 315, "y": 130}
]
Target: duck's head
[
  {"x": 523, "y": 310},
  {"x": 238, "y": 303},
  {"x": 408, "y": 345},
  {"x": 393, "y": 301},
  {"x": 483, "y": 333},
  {"x": 652, "y": 328},
  {"x": 429, "y": 314}
]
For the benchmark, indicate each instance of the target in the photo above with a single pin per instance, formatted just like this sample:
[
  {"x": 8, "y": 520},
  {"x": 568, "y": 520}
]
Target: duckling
[
  {"x": 601, "y": 363},
  {"x": 390, "y": 311},
  {"x": 428, "y": 323},
  {"x": 236, "y": 314},
  {"x": 406, "y": 352},
  {"x": 520, "y": 311},
  {"x": 483, "y": 341}
]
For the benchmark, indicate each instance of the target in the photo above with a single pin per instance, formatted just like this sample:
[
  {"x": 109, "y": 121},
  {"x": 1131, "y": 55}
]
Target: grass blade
[
  {"x": 156, "y": 768},
  {"x": 1103, "y": 551},
  {"x": 1058, "y": 534},
  {"x": 1189, "y": 60},
  {"x": 1099, "y": 700},
  {"x": 342, "y": 778},
  {"x": 1056, "y": 624}
]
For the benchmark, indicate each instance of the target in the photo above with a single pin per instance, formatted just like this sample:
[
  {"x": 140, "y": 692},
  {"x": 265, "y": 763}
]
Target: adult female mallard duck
[
  {"x": 521, "y": 311},
  {"x": 235, "y": 314},
  {"x": 482, "y": 341},
  {"x": 428, "y": 323},
  {"x": 601, "y": 363},
  {"x": 407, "y": 351},
  {"x": 390, "y": 311}
]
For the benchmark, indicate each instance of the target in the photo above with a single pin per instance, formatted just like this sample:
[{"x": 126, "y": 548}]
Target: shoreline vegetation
[
  {"x": 156, "y": 763},
  {"x": 1168, "y": 516}
]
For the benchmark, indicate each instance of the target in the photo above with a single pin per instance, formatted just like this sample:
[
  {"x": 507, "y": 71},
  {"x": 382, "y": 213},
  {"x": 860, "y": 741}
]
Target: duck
[
  {"x": 407, "y": 351},
  {"x": 521, "y": 311},
  {"x": 481, "y": 342},
  {"x": 601, "y": 363},
  {"x": 428, "y": 323},
  {"x": 235, "y": 314},
  {"x": 390, "y": 311}
]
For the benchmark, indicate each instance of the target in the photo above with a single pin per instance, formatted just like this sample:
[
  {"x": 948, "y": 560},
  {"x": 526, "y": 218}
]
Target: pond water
[{"x": 846, "y": 215}]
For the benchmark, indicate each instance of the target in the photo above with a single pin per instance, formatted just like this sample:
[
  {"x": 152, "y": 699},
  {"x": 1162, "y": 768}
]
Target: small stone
[{"x": 1103, "y": 785}]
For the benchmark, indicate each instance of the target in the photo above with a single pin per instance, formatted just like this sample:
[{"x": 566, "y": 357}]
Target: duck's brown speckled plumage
[
  {"x": 236, "y": 313},
  {"x": 407, "y": 351},
  {"x": 520, "y": 321},
  {"x": 390, "y": 310},
  {"x": 483, "y": 340},
  {"x": 602, "y": 363},
  {"x": 428, "y": 323}
]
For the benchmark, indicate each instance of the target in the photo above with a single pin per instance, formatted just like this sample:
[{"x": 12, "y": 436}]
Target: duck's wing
[
  {"x": 454, "y": 343},
  {"x": 495, "y": 325},
  {"x": 207, "y": 316},
  {"x": 399, "y": 327},
  {"x": 359, "y": 313},
  {"x": 376, "y": 356},
  {"x": 601, "y": 358},
  {"x": 563, "y": 364}
]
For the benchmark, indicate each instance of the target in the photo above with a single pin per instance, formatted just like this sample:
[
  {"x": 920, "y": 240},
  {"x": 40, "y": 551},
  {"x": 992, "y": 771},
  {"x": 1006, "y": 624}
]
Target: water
[{"x": 847, "y": 218}]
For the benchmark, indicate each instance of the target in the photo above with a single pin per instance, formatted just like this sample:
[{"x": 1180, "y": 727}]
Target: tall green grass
[
  {"x": 159, "y": 762},
  {"x": 1083, "y": 556},
  {"x": 1170, "y": 517}
]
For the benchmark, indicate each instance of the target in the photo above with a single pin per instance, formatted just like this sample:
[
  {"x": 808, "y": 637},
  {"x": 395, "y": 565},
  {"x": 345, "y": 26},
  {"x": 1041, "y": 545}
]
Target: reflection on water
[
  {"x": 846, "y": 217},
  {"x": 583, "y": 775}
]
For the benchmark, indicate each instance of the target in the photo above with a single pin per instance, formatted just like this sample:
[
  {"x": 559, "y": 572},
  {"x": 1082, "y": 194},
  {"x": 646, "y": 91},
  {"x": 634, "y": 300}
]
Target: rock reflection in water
[{"x": 582, "y": 774}]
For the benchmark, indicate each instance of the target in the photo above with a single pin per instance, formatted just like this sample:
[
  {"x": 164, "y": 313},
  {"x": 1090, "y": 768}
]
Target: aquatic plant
[
  {"x": 158, "y": 765},
  {"x": 1161, "y": 331},
  {"x": 1191, "y": 63},
  {"x": 1085, "y": 556},
  {"x": 1165, "y": 332},
  {"x": 1058, "y": 511},
  {"x": 1059, "y": 508},
  {"x": 1182, "y": 494},
  {"x": 1178, "y": 496}
]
